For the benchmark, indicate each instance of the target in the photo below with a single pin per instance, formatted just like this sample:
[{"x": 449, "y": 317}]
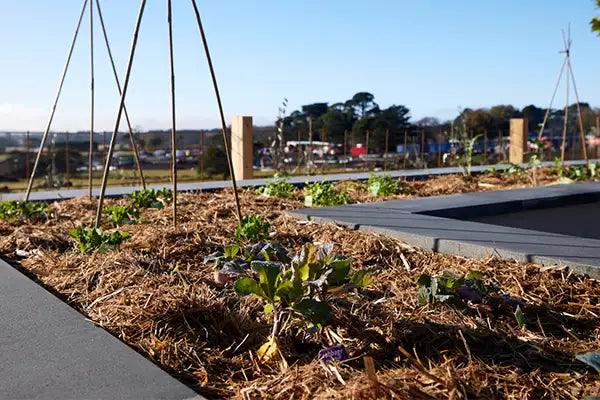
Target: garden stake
[
  {"x": 173, "y": 116},
  {"x": 60, "y": 86},
  {"x": 134, "y": 146},
  {"x": 119, "y": 113},
  {"x": 92, "y": 103},
  {"x": 580, "y": 119},
  {"x": 220, "y": 105}
]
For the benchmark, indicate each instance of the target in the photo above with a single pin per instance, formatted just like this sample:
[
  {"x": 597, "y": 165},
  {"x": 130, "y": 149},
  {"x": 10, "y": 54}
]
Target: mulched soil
[{"x": 156, "y": 294}]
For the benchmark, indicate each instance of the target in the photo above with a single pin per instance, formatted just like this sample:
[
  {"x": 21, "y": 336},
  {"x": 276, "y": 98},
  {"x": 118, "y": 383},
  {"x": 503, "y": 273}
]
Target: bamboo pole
[
  {"x": 201, "y": 155},
  {"x": 220, "y": 106},
  {"x": 134, "y": 146},
  {"x": 547, "y": 114},
  {"x": 387, "y": 142},
  {"x": 119, "y": 113},
  {"x": 565, "y": 126},
  {"x": 173, "y": 112},
  {"x": 60, "y": 86},
  {"x": 92, "y": 103},
  {"x": 580, "y": 118}
]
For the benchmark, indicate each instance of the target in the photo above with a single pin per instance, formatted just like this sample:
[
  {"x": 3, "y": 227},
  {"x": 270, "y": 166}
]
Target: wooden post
[
  {"x": 485, "y": 148},
  {"x": 422, "y": 145},
  {"x": 387, "y": 143},
  {"x": 518, "y": 140},
  {"x": 242, "y": 147}
]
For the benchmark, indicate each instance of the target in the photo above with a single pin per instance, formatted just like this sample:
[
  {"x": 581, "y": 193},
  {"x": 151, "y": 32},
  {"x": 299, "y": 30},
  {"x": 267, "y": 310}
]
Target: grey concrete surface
[
  {"x": 432, "y": 223},
  {"x": 50, "y": 351},
  {"x": 119, "y": 191}
]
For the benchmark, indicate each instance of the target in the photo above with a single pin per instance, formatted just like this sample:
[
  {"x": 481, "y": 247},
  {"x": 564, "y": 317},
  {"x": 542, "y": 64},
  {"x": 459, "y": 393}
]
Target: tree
[
  {"x": 363, "y": 104},
  {"x": 428, "y": 122},
  {"x": 596, "y": 21},
  {"x": 534, "y": 115},
  {"x": 334, "y": 123}
]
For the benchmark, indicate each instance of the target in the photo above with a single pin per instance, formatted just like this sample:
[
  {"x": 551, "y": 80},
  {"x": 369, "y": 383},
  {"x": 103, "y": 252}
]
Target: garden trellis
[
  {"x": 173, "y": 110},
  {"x": 567, "y": 70},
  {"x": 90, "y": 9}
]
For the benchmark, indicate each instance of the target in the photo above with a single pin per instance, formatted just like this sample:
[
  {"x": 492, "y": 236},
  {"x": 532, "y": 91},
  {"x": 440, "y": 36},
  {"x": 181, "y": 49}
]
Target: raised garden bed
[{"x": 157, "y": 294}]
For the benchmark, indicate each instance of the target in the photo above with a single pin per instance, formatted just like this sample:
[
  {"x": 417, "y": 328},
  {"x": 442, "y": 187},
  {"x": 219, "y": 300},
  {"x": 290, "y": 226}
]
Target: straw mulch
[{"x": 156, "y": 294}]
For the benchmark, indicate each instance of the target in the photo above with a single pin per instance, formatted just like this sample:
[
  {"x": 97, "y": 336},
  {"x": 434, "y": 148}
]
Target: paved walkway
[
  {"x": 50, "y": 351},
  {"x": 118, "y": 191},
  {"x": 448, "y": 224}
]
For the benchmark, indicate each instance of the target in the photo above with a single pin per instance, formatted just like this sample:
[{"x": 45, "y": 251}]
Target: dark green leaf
[{"x": 313, "y": 310}]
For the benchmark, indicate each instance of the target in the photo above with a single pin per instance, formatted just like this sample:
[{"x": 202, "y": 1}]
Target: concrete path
[
  {"x": 118, "y": 191},
  {"x": 447, "y": 224},
  {"x": 50, "y": 351}
]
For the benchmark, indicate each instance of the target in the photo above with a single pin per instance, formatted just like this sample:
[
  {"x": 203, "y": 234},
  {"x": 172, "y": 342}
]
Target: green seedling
[
  {"x": 324, "y": 194},
  {"x": 452, "y": 289},
  {"x": 151, "y": 198},
  {"x": 253, "y": 228},
  {"x": 278, "y": 187},
  {"x": 121, "y": 215},
  {"x": 385, "y": 185},
  {"x": 91, "y": 239},
  {"x": 16, "y": 212}
]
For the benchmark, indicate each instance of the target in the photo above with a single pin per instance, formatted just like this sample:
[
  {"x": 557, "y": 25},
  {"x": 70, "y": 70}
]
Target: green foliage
[
  {"x": 151, "y": 198},
  {"x": 278, "y": 187},
  {"x": 466, "y": 161},
  {"x": 581, "y": 172},
  {"x": 121, "y": 215},
  {"x": 324, "y": 194},
  {"x": 452, "y": 289},
  {"x": 252, "y": 228},
  {"x": 515, "y": 169},
  {"x": 91, "y": 239},
  {"x": 596, "y": 21},
  {"x": 299, "y": 287},
  {"x": 15, "y": 212},
  {"x": 385, "y": 185}
]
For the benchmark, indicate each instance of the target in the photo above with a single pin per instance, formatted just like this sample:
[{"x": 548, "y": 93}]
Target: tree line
[{"x": 361, "y": 119}]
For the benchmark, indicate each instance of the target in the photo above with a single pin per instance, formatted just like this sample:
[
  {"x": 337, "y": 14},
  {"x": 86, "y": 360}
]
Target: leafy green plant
[
  {"x": 581, "y": 172},
  {"x": 15, "y": 212},
  {"x": 121, "y": 215},
  {"x": 252, "y": 228},
  {"x": 151, "y": 198},
  {"x": 278, "y": 187},
  {"x": 514, "y": 169},
  {"x": 301, "y": 287},
  {"x": 324, "y": 194},
  {"x": 91, "y": 239},
  {"x": 385, "y": 185},
  {"x": 453, "y": 289}
]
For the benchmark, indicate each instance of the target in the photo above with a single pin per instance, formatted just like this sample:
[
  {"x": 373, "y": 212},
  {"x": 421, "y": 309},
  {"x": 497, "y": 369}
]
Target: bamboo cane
[
  {"x": 60, "y": 86},
  {"x": 173, "y": 114},
  {"x": 134, "y": 146},
  {"x": 92, "y": 103},
  {"x": 220, "y": 106},
  {"x": 119, "y": 113},
  {"x": 580, "y": 118}
]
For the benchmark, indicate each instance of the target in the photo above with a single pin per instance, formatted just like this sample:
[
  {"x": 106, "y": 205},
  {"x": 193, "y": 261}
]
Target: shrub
[
  {"x": 15, "y": 212},
  {"x": 385, "y": 185},
  {"x": 121, "y": 215},
  {"x": 151, "y": 198},
  {"x": 252, "y": 228},
  {"x": 324, "y": 194},
  {"x": 278, "y": 187},
  {"x": 91, "y": 239}
]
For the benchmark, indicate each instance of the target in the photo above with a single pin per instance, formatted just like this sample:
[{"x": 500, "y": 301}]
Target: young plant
[
  {"x": 278, "y": 187},
  {"x": 16, "y": 212},
  {"x": 452, "y": 289},
  {"x": 121, "y": 215},
  {"x": 253, "y": 228},
  {"x": 151, "y": 198},
  {"x": 299, "y": 290},
  {"x": 324, "y": 194},
  {"x": 91, "y": 239},
  {"x": 385, "y": 185},
  {"x": 466, "y": 162}
]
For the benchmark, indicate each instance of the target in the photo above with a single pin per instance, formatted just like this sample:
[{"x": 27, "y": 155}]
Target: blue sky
[{"x": 430, "y": 55}]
